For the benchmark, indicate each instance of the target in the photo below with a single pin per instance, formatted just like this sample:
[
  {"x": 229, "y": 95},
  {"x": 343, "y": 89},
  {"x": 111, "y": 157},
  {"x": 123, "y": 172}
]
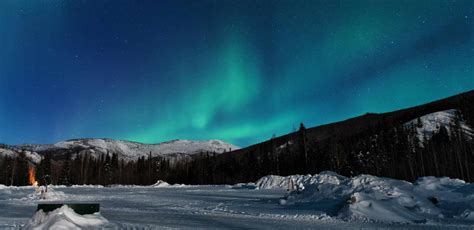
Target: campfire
[
  {"x": 31, "y": 176},
  {"x": 41, "y": 192}
]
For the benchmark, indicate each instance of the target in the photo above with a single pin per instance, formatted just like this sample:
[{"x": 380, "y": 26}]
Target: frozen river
[{"x": 184, "y": 208}]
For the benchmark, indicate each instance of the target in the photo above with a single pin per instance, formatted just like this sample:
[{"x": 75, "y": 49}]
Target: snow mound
[
  {"x": 280, "y": 182},
  {"x": 160, "y": 184},
  {"x": 50, "y": 195},
  {"x": 428, "y": 125},
  {"x": 64, "y": 218},
  {"x": 467, "y": 215},
  {"x": 297, "y": 181},
  {"x": 367, "y": 197}
]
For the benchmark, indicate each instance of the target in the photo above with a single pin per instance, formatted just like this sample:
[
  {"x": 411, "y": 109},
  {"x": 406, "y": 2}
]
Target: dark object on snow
[
  {"x": 433, "y": 199},
  {"x": 81, "y": 209}
]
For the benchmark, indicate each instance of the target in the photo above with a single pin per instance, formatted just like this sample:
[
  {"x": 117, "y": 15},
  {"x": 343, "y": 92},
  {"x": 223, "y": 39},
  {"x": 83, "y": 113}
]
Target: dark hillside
[{"x": 377, "y": 144}]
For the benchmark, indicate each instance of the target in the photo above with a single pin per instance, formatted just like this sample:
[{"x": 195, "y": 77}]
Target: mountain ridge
[
  {"x": 129, "y": 150},
  {"x": 376, "y": 144},
  {"x": 385, "y": 144},
  {"x": 434, "y": 106}
]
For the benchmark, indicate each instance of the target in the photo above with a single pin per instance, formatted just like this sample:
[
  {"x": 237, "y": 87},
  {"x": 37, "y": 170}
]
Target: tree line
[{"x": 385, "y": 146}]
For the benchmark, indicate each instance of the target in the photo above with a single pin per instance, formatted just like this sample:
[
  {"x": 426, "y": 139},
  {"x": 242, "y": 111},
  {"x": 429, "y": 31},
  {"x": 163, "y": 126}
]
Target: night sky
[{"x": 240, "y": 71}]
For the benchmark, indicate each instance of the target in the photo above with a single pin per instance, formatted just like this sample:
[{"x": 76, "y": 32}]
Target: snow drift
[
  {"x": 367, "y": 197},
  {"x": 280, "y": 182},
  {"x": 161, "y": 184},
  {"x": 64, "y": 218}
]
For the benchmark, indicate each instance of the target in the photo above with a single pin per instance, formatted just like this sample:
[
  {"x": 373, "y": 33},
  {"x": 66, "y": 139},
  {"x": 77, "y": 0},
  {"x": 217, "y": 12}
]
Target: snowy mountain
[
  {"x": 12, "y": 152},
  {"x": 125, "y": 149}
]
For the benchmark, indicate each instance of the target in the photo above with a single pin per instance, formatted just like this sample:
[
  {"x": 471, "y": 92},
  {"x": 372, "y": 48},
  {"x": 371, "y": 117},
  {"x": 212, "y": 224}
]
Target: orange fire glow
[{"x": 31, "y": 176}]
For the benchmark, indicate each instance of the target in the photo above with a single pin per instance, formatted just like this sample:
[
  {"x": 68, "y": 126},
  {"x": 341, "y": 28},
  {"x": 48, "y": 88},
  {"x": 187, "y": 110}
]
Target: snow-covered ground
[{"x": 326, "y": 200}]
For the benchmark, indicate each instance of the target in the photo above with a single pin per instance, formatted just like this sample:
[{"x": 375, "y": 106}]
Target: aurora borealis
[{"x": 240, "y": 71}]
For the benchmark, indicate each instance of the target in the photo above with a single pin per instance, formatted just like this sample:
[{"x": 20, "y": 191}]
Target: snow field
[{"x": 326, "y": 200}]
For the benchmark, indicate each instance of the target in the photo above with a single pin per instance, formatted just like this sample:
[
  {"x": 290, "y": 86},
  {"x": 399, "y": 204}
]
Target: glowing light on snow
[{"x": 31, "y": 176}]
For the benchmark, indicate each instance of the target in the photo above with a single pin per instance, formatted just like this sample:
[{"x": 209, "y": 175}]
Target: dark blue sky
[{"x": 239, "y": 71}]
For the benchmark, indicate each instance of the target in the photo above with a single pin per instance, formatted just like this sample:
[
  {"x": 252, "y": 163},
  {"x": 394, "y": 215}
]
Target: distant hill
[
  {"x": 128, "y": 150},
  {"x": 90, "y": 156}
]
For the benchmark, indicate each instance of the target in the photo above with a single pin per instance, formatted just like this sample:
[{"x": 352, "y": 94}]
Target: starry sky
[{"x": 239, "y": 71}]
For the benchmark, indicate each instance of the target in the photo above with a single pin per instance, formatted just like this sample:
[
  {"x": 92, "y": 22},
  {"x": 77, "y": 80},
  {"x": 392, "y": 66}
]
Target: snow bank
[
  {"x": 244, "y": 186},
  {"x": 164, "y": 184},
  {"x": 64, "y": 218},
  {"x": 160, "y": 184},
  {"x": 5, "y": 190},
  {"x": 367, "y": 197},
  {"x": 86, "y": 186},
  {"x": 279, "y": 182},
  {"x": 298, "y": 181}
]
